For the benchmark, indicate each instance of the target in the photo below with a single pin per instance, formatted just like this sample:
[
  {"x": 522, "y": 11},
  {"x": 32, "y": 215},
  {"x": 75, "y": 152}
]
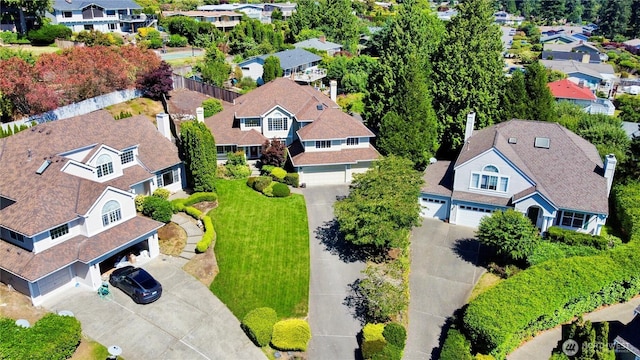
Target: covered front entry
[
  {"x": 253, "y": 152},
  {"x": 534, "y": 214}
]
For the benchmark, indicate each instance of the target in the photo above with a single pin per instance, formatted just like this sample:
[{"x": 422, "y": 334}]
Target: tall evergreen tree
[
  {"x": 413, "y": 34},
  {"x": 339, "y": 23},
  {"x": 468, "y": 73},
  {"x": 634, "y": 19},
  {"x": 410, "y": 129},
  {"x": 199, "y": 154},
  {"x": 574, "y": 11},
  {"x": 553, "y": 11},
  {"x": 306, "y": 16},
  {"x": 541, "y": 101},
  {"x": 514, "y": 102},
  {"x": 590, "y": 10},
  {"x": 271, "y": 69},
  {"x": 614, "y": 16}
]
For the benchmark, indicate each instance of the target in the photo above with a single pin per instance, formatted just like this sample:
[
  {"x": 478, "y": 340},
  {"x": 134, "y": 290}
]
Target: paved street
[
  {"x": 333, "y": 269},
  {"x": 443, "y": 273},
  {"x": 187, "y": 322}
]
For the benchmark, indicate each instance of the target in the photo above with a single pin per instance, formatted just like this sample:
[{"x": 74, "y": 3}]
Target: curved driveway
[
  {"x": 187, "y": 322},
  {"x": 333, "y": 269}
]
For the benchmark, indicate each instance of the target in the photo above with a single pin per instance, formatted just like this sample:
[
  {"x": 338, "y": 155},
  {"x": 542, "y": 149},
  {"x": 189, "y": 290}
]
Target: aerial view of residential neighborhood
[{"x": 319, "y": 179}]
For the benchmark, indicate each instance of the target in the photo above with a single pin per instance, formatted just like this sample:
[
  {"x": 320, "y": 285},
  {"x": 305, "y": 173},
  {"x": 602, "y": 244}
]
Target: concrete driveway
[
  {"x": 333, "y": 269},
  {"x": 187, "y": 322},
  {"x": 443, "y": 273}
]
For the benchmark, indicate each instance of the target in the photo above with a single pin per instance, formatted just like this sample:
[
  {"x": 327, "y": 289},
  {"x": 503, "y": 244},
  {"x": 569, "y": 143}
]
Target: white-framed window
[
  {"x": 475, "y": 208},
  {"x": 572, "y": 219},
  {"x": 126, "y": 157},
  {"x": 225, "y": 149},
  {"x": 113, "y": 26},
  {"x": 67, "y": 14},
  {"x": 15, "y": 236},
  {"x": 105, "y": 165},
  {"x": 489, "y": 179},
  {"x": 252, "y": 122},
  {"x": 323, "y": 144},
  {"x": 277, "y": 124},
  {"x": 168, "y": 177},
  {"x": 111, "y": 212},
  {"x": 353, "y": 141},
  {"x": 59, "y": 231},
  {"x": 434, "y": 201}
]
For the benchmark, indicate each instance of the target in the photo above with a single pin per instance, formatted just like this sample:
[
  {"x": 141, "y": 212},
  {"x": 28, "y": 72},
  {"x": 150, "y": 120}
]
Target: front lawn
[{"x": 262, "y": 249}]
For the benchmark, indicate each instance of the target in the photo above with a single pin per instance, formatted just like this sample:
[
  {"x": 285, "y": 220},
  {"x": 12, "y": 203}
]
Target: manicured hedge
[
  {"x": 209, "y": 235},
  {"x": 292, "y": 179},
  {"x": 545, "y": 251},
  {"x": 281, "y": 190},
  {"x": 389, "y": 352},
  {"x": 455, "y": 347},
  {"x": 291, "y": 334},
  {"x": 53, "y": 337},
  {"x": 157, "y": 208},
  {"x": 258, "y": 324},
  {"x": 180, "y": 204},
  {"x": 162, "y": 193},
  {"x": 373, "y": 341},
  {"x": 395, "y": 334},
  {"x": 278, "y": 173},
  {"x": 627, "y": 198},
  {"x": 569, "y": 237}
]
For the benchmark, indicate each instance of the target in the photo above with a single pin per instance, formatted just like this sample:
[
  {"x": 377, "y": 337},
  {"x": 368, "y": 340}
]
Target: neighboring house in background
[
  {"x": 326, "y": 146},
  {"x": 287, "y": 9},
  {"x": 579, "y": 51},
  {"x": 558, "y": 38},
  {"x": 300, "y": 64},
  {"x": 597, "y": 77},
  {"x": 567, "y": 90},
  {"x": 320, "y": 44},
  {"x": 540, "y": 169},
  {"x": 504, "y": 18},
  {"x": 632, "y": 45},
  {"x": 223, "y": 20},
  {"x": 632, "y": 129},
  {"x": 629, "y": 338},
  {"x": 122, "y": 16},
  {"x": 447, "y": 14},
  {"x": 67, "y": 189},
  {"x": 253, "y": 11}
]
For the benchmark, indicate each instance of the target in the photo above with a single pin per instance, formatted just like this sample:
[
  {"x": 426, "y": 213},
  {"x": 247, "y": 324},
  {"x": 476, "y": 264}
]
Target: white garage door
[
  {"x": 323, "y": 175},
  {"x": 54, "y": 280},
  {"x": 471, "y": 215},
  {"x": 434, "y": 208},
  {"x": 358, "y": 168}
]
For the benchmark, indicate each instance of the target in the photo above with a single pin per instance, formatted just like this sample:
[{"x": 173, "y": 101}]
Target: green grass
[{"x": 262, "y": 249}]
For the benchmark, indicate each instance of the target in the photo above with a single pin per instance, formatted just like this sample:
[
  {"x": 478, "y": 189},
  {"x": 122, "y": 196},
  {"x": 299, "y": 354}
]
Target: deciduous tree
[
  {"x": 509, "y": 232},
  {"x": 381, "y": 207},
  {"x": 156, "y": 83}
]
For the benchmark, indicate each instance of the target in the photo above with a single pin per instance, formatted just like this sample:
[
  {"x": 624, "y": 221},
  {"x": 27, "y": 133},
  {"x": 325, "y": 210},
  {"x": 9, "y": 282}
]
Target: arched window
[
  {"x": 105, "y": 165},
  {"x": 490, "y": 168},
  {"x": 111, "y": 212}
]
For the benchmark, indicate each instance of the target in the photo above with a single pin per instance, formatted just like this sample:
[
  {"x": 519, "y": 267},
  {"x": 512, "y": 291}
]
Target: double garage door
[
  {"x": 434, "y": 207},
  {"x": 54, "y": 281},
  {"x": 323, "y": 175},
  {"x": 471, "y": 215}
]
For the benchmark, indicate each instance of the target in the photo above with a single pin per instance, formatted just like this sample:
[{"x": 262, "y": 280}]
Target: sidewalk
[
  {"x": 194, "y": 234},
  {"x": 540, "y": 347}
]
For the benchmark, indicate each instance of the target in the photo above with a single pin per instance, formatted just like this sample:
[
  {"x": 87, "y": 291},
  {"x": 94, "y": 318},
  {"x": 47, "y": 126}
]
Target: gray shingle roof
[
  {"x": 572, "y": 66},
  {"x": 315, "y": 43},
  {"x": 64, "y": 5},
  {"x": 290, "y": 59},
  {"x": 569, "y": 173}
]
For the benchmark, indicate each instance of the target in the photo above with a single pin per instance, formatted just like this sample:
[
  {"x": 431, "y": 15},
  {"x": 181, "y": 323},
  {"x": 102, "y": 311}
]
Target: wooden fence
[{"x": 181, "y": 82}]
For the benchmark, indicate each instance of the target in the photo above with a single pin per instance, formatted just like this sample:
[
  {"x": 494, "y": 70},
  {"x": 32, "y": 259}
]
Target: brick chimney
[{"x": 322, "y": 39}]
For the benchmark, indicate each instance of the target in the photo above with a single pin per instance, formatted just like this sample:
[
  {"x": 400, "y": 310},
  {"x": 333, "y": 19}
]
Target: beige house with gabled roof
[
  {"x": 326, "y": 145},
  {"x": 67, "y": 189}
]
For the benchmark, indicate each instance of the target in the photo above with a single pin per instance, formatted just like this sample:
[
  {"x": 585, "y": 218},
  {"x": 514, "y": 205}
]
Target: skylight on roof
[
  {"x": 542, "y": 142},
  {"x": 43, "y": 167},
  {"x": 513, "y": 140}
]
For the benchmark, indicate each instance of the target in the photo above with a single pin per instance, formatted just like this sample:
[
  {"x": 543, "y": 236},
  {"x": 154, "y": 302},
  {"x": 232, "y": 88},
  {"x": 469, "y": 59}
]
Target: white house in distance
[
  {"x": 67, "y": 189},
  {"x": 540, "y": 169},
  {"x": 326, "y": 146},
  {"x": 299, "y": 63},
  {"x": 222, "y": 20},
  {"x": 122, "y": 16}
]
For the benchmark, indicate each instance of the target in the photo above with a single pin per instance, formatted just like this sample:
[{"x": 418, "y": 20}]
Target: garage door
[
  {"x": 471, "y": 215},
  {"x": 54, "y": 281},
  {"x": 434, "y": 208},
  {"x": 358, "y": 168},
  {"x": 323, "y": 175}
]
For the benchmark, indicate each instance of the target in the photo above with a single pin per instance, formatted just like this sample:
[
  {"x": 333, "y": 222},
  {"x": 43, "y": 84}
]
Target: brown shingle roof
[
  {"x": 32, "y": 267},
  {"x": 438, "y": 178},
  {"x": 334, "y": 124},
  {"x": 183, "y": 101},
  {"x": 349, "y": 156},
  {"x": 53, "y": 198},
  {"x": 569, "y": 173}
]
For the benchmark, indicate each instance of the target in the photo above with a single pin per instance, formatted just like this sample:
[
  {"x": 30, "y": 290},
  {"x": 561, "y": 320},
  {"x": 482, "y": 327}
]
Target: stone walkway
[{"x": 194, "y": 233}]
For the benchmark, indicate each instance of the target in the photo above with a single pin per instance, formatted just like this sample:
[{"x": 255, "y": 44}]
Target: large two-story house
[
  {"x": 299, "y": 64},
  {"x": 67, "y": 189},
  {"x": 325, "y": 145},
  {"x": 540, "y": 169},
  {"x": 122, "y": 16}
]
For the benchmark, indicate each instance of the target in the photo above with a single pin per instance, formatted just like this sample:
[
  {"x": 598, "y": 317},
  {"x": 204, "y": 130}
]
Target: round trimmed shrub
[
  {"x": 268, "y": 191},
  {"x": 291, "y": 334},
  {"x": 395, "y": 334},
  {"x": 162, "y": 193},
  {"x": 389, "y": 352},
  {"x": 157, "y": 208},
  {"x": 292, "y": 179},
  {"x": 258, "y": 324},
  {"x": 261, "y": 183},
  {"x": 281, "y": 190},
  {"x": 139, "y": 200},
  {"x": 278, "y": 173},
  {"x": 373, "y": 341}
]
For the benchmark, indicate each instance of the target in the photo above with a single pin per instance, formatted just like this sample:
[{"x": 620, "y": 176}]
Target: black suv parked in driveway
[{"x": 137, "y": 283}]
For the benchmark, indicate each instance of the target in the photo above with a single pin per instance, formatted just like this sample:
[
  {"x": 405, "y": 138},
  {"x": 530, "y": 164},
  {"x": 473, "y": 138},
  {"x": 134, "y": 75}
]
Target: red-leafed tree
[
  {"x": 157, "y": 82},
  {"x": 21, "y": 87},
  {"x": 274, "y": 152}
]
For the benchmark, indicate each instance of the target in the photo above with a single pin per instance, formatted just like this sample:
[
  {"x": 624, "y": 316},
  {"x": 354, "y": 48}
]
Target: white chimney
[
  {"x": 609, "y": 170},
  {"x": 200, "y": 114},
  {"x": 333, "y": 90},
  {"x": 468, "y": 130},
  {"x": 162, "y": 120}
]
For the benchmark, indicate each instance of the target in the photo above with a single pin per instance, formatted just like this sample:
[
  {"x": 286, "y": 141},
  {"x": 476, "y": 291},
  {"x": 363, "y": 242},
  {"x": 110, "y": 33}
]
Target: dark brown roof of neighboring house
[
  {"x": 344, "y": 156},
  {"x": 334, "y": 124},
  {"x": 32, "y": 266},
  {"x": 568, "y": 173},
  {"x": 438, "y": 178},
  {"x": 183, "y": 101},
  {"x": 54, "y": 198}
]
